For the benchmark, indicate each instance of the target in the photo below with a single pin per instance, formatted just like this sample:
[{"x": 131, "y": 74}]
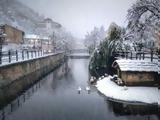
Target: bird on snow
[{"x": 125, "y": 88}]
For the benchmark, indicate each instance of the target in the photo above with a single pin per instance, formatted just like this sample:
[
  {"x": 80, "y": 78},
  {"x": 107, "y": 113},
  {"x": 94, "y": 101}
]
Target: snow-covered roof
[
  {"x": 137, "y": 65},
  {"x": 34, "y": 36},
  {"x": 31, "y": 36},
  {"x": 45, "y": 38}
]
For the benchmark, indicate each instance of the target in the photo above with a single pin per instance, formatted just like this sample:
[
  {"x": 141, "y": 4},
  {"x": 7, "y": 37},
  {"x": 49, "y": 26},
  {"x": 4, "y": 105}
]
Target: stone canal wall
[{"x": 16, "y": 77}]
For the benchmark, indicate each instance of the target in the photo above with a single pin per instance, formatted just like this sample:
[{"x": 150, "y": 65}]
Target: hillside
[{"x": 14, "y": 13}]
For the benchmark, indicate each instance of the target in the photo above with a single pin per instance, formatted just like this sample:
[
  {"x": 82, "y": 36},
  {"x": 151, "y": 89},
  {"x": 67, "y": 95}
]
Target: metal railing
[
  {"x": 152, "y": 56},
  {"x": 15, "y": 56}
]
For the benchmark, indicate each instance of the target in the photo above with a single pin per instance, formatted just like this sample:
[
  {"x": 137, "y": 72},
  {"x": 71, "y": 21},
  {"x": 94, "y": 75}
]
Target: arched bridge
[{"x": 79, "y": 54}]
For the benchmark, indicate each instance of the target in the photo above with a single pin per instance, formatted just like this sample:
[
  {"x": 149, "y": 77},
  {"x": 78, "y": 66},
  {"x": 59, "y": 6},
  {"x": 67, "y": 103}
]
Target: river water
[{"x": 55, "y": 97}]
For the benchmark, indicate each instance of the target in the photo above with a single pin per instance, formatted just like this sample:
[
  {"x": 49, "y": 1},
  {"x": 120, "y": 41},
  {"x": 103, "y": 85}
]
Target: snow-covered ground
[{"x": 149, "y": 95}]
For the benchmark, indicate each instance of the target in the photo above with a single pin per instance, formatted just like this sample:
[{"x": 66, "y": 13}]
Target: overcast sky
[{"x": 80, "y": 16}]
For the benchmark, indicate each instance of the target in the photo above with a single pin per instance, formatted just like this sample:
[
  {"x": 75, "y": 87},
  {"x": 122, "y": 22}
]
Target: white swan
[
  {"x": 79, "y": 89},
  {"x": 125, "y": 88},
  {"x": 88, "y": 88}
]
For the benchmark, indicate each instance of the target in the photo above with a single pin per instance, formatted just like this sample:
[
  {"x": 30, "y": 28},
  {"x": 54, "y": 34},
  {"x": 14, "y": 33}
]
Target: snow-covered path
[{"x": 149, "y": 95}]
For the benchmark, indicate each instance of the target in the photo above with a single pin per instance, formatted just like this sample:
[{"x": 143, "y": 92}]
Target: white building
[
  {"x": 47, "y": 27},
  {"x": 38, "y": 42}
]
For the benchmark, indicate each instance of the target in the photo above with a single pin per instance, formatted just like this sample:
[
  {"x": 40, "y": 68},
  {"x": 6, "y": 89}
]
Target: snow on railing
[
  {"x": 16, "y": 56},
  {"x": 152, "y": 56}
]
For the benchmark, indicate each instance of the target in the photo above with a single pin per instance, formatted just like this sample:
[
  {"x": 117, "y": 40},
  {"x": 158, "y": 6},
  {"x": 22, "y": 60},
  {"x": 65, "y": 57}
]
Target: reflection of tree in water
[
  {"x": 61, "y": 77},
  {"x": 145, "y": 111},
  {"x": 59, "y": 74},
  {"x": 125, "y": 109},
  {"x": 51, "y": 79},
  {"x": 132, "y": 111}
]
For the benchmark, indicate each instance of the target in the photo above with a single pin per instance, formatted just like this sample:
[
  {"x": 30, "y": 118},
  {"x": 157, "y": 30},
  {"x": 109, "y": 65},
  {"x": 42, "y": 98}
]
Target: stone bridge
[{"x": 79, "y": 54}]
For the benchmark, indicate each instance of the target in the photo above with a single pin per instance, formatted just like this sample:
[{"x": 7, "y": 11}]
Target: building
[
  {"x": 13, "y": 35},
  {"x": 136, "y": 72},
  {"x": 47, "y": 27},
  {"x": 50, "y": 24},
  {"x": 32, "y": 41},
  {"x": 38, "y": 42}
]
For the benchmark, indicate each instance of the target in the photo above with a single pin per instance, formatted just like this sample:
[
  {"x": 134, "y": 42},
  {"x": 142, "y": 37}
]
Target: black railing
[
  {"x": 137, "y": 55},
  {"x": 15, "y": 56}
]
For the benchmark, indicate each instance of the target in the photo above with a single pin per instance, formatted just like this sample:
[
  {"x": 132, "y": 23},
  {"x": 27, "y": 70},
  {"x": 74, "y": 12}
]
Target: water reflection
[
  {"x": 123, "y": 109},
  {"x": 19, "y": 101},
  {"x": 27, "y": 94},
  {"x": 132, "y": 111},
  {"x": 55, "y": 97}
]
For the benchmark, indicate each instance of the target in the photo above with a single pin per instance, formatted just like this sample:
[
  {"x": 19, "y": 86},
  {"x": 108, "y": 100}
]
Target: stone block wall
[{"x": 16, "y": 77}]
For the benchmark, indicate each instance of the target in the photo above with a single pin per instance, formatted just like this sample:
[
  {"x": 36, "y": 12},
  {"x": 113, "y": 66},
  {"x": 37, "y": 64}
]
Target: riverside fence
[
  {"x": 152, "y": 56},
  {"x": 15, "y": 56}
]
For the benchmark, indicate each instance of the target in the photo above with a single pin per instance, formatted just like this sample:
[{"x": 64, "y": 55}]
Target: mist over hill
[{"x": 15, "y": 13}]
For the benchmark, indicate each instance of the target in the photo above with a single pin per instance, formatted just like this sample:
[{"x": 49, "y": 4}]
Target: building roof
[
  {"x": 34, "y": 36},
  {"x": 137, "y": 65},
  {"x": 31, "y": 36},
  {"x": 13, "y": 27}
]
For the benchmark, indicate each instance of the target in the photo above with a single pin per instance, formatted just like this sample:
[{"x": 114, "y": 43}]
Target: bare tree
[
  {"x": 92, "y": 39},
  {"x": 144, "y": 20}
]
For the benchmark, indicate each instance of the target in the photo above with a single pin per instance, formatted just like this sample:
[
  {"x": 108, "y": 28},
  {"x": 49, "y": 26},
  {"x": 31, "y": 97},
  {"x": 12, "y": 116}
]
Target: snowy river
[{"x": 55, "y": 97}]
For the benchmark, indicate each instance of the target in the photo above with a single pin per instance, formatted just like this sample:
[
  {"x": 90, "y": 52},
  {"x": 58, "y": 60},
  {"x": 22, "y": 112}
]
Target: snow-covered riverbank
[{"x": 149, "y": 95}]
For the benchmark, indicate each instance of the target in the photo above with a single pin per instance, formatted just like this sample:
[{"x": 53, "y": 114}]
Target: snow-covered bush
[{"x": 103, "y": 56}]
